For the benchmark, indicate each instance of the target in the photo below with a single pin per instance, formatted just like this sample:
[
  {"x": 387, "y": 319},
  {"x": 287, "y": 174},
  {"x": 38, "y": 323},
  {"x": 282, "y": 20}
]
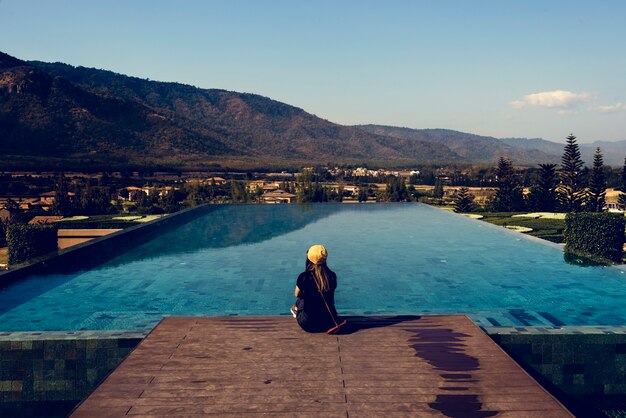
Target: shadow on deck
[{"x": 435, "y": 366}]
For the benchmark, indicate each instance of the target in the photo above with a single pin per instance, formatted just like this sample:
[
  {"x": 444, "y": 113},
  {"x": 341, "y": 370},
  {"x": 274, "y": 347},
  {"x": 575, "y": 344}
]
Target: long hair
[{"x": 322, "y": 275}]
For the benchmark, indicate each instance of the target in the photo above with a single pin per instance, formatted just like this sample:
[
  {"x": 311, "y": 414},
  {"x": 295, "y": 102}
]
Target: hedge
[
  {"x": 25, "y": 241},
  {"x": 3, "y": 233},
  {"x": 595, "y": 234}
]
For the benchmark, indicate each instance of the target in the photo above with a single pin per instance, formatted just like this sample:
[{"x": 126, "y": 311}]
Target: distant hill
[
  {"x": 76, "y": 115},
  {"x": 54, "y": 115},
  {"x": 613, "y": 153},
  {"x": 540, "y": 144},
  {"x": 472, "y": 148}
]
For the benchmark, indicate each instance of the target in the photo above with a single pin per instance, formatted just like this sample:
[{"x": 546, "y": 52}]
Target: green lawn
[{"x": 548, "y": 229}]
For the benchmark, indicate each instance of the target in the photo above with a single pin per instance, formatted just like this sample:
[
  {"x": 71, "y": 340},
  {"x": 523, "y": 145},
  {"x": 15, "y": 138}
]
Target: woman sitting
[{"x": 315, "y": 289}]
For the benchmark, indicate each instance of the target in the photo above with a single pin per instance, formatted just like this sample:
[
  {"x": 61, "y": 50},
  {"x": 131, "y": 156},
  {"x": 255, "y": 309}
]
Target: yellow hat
[{"x": 317, "y": 254}]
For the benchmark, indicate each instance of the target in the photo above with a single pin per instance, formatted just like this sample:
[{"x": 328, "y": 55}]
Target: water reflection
[
  {"x": 582, "y": 261},
  {"x": 229, "y": 225}
]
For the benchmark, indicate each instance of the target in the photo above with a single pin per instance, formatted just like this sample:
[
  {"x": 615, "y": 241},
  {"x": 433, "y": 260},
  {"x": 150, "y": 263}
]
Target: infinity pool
[{"x": 390, "y": 259}]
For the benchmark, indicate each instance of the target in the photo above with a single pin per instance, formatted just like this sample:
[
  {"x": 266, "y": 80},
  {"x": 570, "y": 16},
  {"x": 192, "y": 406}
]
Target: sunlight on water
[{"x": 390, "y": 259}]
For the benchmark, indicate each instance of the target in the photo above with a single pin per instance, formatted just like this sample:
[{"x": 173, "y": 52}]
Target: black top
[{"x": 313, "y": 315}]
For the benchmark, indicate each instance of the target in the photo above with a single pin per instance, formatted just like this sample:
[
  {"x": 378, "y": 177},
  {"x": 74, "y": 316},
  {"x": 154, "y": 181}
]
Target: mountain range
[{"x": 54, "y": 115}]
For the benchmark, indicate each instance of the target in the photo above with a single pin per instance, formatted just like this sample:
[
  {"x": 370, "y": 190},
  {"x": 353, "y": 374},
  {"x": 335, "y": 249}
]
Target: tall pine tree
[
  {"x": 571, "y": 190},
  {"x": 509, "y": 197},
  {"x": 542, "y": 195},
  {"x": 438, "y": 189},
  {"x": 464, "y": 201},
  {"x": 62, "y": 204},
  {"x": 621, "y": 199},
  {"x": 596, "y": 197}
]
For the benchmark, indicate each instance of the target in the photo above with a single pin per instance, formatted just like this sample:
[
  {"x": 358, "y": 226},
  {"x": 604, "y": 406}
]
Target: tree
[
  {"x": 510, "y": 196},
  {"x": 309, "y": 191},
  {"x": 438, "y": 190},
  {"x": 362, "y": 196},
  {"x": 239, "y": 192},
  {"x": 95, "y": 200},
  {"x": 196, "y": 194},
  {"x": 621, "y": 199},
  {"x": 596, "y": 197},
  {"x": 542, "y": 196},
  {"x": 304, "y": 188},
  {"x": 570, "y": 191},
  {"x": 464, "y": 201},
  {"x": 396, "y": 190},
  {"x": 623, "y": 188},
  {"x": 148, "y": 204},
  {"x": 62, "y": 204}
]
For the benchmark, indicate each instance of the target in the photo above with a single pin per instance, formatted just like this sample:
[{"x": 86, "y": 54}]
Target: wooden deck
[{"x": 437, "y": 366}]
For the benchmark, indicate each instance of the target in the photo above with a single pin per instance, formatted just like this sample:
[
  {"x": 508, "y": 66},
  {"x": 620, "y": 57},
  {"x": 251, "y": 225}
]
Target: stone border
[
  {"x": 564, "y": 330},
  {"x": 66, "y": 260},
  {"x": 68, "y": 335},
  {"x": 42, "y": 367},
  {"x": 573, "y": 361}
]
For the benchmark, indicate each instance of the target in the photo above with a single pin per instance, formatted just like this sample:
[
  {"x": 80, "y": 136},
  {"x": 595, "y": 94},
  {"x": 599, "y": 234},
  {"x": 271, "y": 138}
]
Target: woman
[{"x": 315, "y": 289}]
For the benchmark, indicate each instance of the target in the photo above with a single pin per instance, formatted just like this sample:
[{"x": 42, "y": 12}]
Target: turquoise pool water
[{"x": 390, "y": 259}]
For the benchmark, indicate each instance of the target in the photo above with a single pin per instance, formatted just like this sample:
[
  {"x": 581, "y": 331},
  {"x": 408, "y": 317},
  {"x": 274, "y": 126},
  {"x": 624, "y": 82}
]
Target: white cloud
[
  {"x": 559, "y": 99},
  {"x": 617, "y": 107}
]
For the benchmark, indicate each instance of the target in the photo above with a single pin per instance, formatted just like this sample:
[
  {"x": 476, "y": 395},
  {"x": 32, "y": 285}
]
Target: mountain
[
  {"x": 54, "y": 115},
  {"x": 536, "y": 143},
  {"x": 472, "y": 148},
  {"x": 82, "y": 116},
  {"x": 43, "y": 116},
  {"x": 613, "y": 152}
]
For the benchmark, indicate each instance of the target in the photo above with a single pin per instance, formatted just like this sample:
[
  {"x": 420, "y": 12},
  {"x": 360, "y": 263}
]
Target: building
[
  {"x": 46, "y": 200},
  {"x": 129, "y": 194},
  {"x": 218, "y": 181},
  {"x": 278, "y": 196}
]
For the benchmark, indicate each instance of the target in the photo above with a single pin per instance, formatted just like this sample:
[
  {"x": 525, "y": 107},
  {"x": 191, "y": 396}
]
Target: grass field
[{"x": 546, "y": 228}]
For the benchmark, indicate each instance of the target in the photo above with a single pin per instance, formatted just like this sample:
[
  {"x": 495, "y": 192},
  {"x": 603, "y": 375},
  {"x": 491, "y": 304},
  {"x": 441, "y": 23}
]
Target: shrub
[
  {"x": 3, "y": 233},
  {"x": 595, "y": 234},
  {"x": 464, "y": 201},
  {"x": 26, "y": 241}
]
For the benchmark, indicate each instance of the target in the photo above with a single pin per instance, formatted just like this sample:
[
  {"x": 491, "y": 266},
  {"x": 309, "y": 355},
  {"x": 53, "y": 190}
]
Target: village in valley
[{"x": 88, "y": 205}]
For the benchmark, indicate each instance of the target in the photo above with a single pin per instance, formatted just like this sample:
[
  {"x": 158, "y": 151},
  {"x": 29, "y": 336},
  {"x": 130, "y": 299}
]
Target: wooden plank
[{"x": 259, "y": 367}]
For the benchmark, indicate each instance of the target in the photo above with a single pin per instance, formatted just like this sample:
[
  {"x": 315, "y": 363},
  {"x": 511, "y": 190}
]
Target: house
[
  {"x": 352, "y": 190},
  {"x": 271, "y": 187},
  {"x": 613, "y": 207},
  {"x": 218, "y": 181},
  {"x": 46, "y": 200},
  {"x": 129, "y": 194},
  {"x": 164, "y": 191},
  {"x": 278, "y": 196},
  {"x": 49, "y": 197},
  {"x": 5, "y": 214},
  {"x": 255, "y": 184}
]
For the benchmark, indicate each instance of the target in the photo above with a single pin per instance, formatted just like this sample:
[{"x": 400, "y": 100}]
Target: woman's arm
[{"x": 297, "y": 291}]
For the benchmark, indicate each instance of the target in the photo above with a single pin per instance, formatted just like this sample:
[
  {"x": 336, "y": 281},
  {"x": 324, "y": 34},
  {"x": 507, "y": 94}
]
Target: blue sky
[{"x": 499, "y": 68}]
